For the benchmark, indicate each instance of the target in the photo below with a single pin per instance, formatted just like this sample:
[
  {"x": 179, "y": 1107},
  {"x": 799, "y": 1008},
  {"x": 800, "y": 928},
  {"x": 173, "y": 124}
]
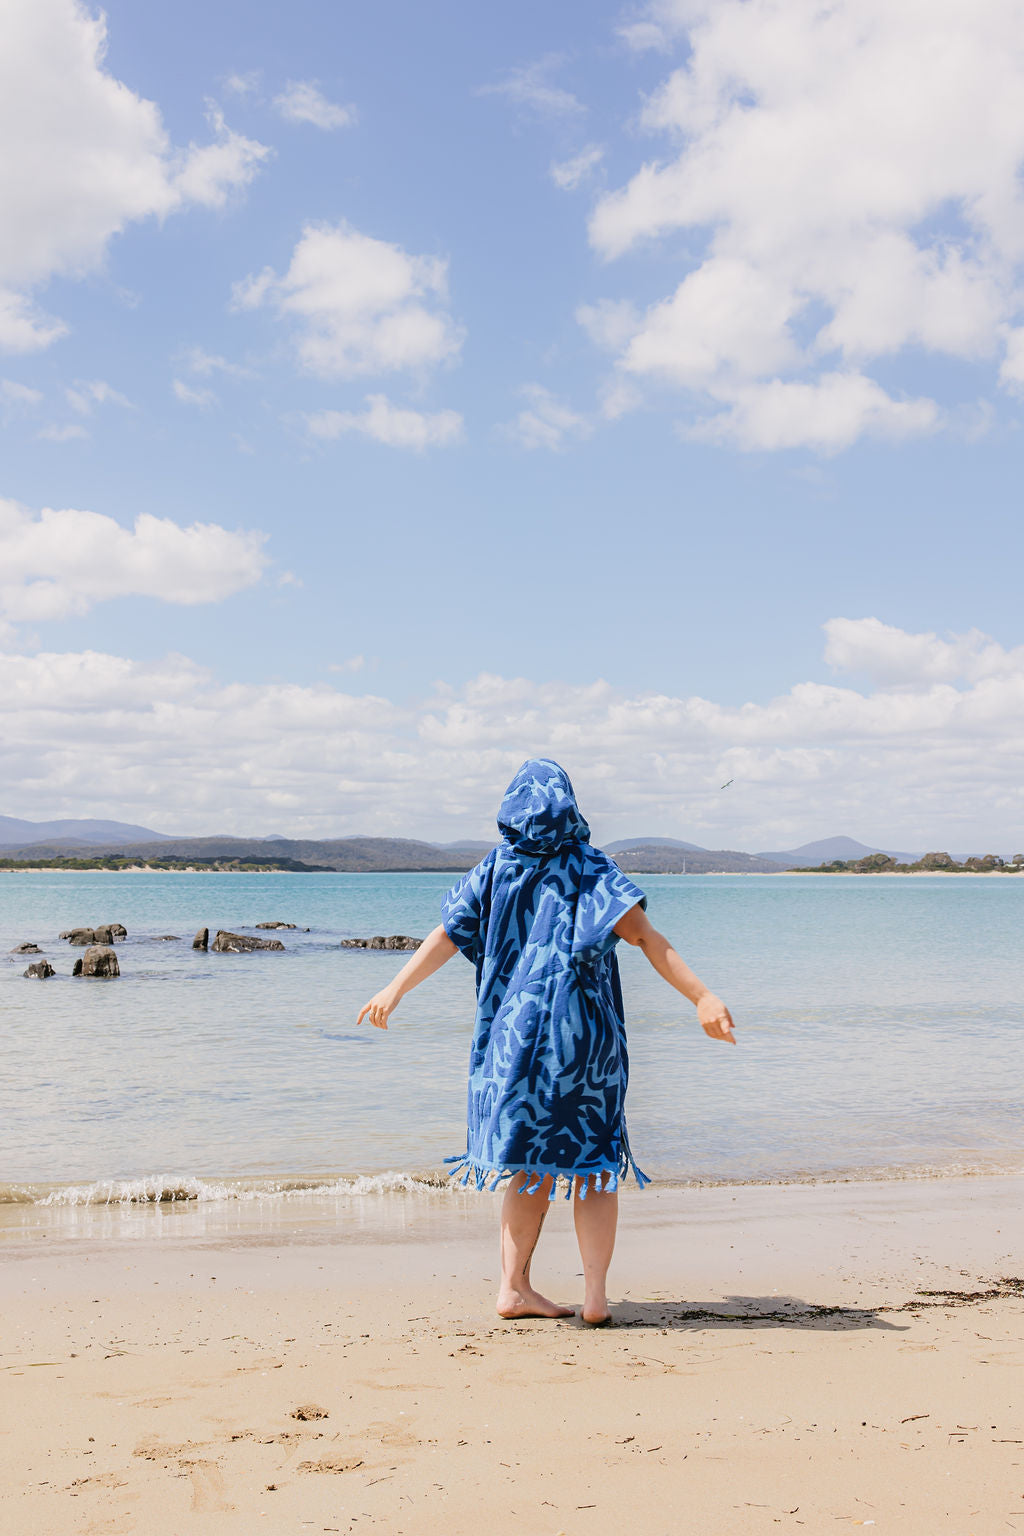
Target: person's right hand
[
  {"x": 715, "y": 1018},
  {"x": 379, "y": 1009}
]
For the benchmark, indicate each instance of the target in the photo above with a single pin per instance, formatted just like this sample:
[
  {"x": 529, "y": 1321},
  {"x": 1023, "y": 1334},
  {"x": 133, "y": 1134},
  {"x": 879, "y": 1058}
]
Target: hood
[{"x": 539, "y": 813}]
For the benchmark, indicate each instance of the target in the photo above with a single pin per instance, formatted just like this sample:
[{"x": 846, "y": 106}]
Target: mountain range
[{"x": 640, "y": 855}]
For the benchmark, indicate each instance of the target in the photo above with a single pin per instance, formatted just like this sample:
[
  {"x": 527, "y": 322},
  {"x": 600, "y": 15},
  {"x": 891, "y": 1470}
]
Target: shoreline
[
  {"x": 52, "y": 1199},
  {"x": 847, "y": 1354},
  {"x": 743, "y": 874}
]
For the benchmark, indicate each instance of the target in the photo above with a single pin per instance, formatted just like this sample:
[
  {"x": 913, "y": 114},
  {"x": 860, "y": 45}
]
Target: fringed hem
[{"x": 603, "y": 1180}]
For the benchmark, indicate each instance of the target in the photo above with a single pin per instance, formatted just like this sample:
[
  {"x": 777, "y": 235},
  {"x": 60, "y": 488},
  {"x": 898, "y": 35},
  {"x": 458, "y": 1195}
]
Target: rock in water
[
  {"x": 106, "y": 933},
  {"x": 383, "y": 941},
  {"x": 202, "y": 939},
  {"x": 41, "y": 969},
  {"x": 240, "y": 943},
  {"x": 110, "y": 933},
  {"x": 28, "y": 948},
  {"x": 98, "y": 960},
  {"x": 276, "y": 925}
]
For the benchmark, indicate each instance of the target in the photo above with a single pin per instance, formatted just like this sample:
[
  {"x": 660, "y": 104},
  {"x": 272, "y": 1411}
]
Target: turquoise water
[{"x": 881, "y": 1023}]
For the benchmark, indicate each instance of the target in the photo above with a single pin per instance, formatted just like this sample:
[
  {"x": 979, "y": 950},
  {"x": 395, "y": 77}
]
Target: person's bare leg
[
  {"x": 596, "y": 1219},
  {"x": 522, "y": 1217}
]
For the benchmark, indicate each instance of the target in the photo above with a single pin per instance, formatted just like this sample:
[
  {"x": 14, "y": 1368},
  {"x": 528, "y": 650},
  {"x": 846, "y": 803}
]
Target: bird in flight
[{"x": 728, "y": 782}]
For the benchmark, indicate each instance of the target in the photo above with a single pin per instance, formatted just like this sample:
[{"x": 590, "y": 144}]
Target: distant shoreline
[{"x": 646, "y": 874}]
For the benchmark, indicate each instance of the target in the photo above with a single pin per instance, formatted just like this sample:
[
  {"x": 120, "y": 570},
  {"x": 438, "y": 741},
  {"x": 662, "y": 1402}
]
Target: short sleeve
[
  {"x": 464, "y": 910},
  {"x": 606, "y": 895}
]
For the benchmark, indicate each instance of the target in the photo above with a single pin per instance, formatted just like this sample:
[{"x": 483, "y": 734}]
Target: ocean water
[{"x": 880, "y": 1021}]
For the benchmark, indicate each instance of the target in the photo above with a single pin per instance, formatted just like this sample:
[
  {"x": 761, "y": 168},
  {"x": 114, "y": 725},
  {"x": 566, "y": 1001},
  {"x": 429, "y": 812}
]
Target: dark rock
[
  {"x": 166, "y": 938},
  {"x": 278, "y": 925},
  {"x": 382, "y": 941},
  {"x": 28, "y": 948},
  {"x": 241, "y": 943},
  {"x": 98, "y": 960},
  {"x": 106, "y": 933},
  {"x": 202, "y": 939},
  {"x": 41, "y": 969},
  {"x": 77, "y": 967}
]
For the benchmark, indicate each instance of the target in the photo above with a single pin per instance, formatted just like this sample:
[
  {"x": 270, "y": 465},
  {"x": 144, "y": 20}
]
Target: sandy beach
[{"x": 303, "y": 1365}]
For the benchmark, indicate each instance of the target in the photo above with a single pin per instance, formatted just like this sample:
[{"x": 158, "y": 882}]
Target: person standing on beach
[{"x": 539, "y": 918}]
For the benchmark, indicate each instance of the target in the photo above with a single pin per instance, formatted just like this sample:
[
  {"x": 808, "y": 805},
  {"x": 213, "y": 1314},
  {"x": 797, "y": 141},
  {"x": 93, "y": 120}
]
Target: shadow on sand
[{"x": 748, "y": 1312}]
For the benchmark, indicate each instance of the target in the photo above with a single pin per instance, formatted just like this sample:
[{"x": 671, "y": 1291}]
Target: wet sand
[{"x": 774, "y": 1366}]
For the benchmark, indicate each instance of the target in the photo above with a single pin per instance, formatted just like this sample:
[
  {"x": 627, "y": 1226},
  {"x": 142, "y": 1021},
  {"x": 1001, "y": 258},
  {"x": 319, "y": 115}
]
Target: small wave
[{"x": 157, "y": 1190}]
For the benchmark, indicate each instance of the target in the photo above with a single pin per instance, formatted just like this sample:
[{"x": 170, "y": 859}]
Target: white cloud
[
  {"x": 395, "y": 425},
  {"x": 188, "y": 394},
  {"x": 568, "y": 174},
  {"x": 243, "y": 84},
  {"x": 61, "y": 562},
  {"x": 610, "y": 323},
  {"x": 851, "y": 172},
  {"x": 922, "y": 764},
  {"x": 86, "y": 156},
  {"x": 891, "y": 657},
  {"x": 530, "y": 86},
  {"x": 198, "y": 360},
  {"x": 15, "y": 396},
  {"x": 68, "y": 433},
  {"x": 87, "y": 394},
  {"x": 547, "y": 422},
  {"x": 828, "y": 414},
  {"x": 360, "y": 305},
  {"x": 302, "y": 101}
]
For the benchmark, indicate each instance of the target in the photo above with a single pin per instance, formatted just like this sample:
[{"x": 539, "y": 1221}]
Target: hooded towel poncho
[{"x": 548, "y": 1067}]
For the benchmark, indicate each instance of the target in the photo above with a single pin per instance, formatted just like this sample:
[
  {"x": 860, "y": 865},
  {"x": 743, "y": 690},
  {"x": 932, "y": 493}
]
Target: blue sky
[{"x": 602, "y": 353}]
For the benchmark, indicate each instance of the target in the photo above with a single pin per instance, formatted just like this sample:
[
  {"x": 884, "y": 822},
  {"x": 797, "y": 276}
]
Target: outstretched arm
[
  {"x": 436, "y": 948},
  {"x": 636, "y": 928}
]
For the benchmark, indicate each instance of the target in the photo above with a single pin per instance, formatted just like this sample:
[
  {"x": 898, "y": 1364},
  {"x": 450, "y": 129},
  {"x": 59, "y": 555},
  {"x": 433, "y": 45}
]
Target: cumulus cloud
[
  {"x": 302, "y": 101},
  {"x": 849, "y": 177},
  {"x": 546, "y": 421},
  {"x": 530, "y": 86},
  {"x": 91, "y": 733},
  {"x": 828, "y": 414},
  {"x": 892, "y": 657},
  {"x": 395, "y": 425},
  {"x": 569, "y": 174},
  {"x": 68, "y": 432},
  {"x": 86, "y": 394},
  {"x": 58, "y": 563},
  {"x": 190, "y": 394},
  {"x": 85, "y": 157},
  {"x": 16, "y": 397},
  {"x": 359, "y": 305}
]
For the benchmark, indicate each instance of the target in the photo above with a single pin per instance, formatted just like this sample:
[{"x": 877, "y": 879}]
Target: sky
[{"x": 390, "y": 393}]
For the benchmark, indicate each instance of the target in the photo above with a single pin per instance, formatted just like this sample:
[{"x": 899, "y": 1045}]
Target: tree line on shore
[{"x": 930, "y": 863}]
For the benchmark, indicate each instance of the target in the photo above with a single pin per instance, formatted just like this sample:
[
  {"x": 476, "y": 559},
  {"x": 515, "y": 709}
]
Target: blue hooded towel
[{"x": 548, "y": 1067}]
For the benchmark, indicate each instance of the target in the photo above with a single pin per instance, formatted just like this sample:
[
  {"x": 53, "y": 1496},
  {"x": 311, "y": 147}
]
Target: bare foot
[
  {"x": 530, "y": 1303},
  {"x": 595, "y": 1312}
]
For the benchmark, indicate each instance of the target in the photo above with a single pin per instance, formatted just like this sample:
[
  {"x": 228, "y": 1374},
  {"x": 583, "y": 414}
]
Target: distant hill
[
  {"x": 355, "y": 854},
  {"x": 657, "y": 859},
  {"x": 14, "y": 832},
  {"x": 826, "y": 849},
  {"x": 626, "y": 843}
]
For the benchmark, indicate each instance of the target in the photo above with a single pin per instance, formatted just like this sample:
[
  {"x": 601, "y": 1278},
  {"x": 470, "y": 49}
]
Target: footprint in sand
[{"x": 207, "y": 1487}]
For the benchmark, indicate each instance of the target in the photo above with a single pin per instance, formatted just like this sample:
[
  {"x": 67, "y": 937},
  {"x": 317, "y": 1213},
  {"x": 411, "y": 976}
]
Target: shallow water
[{"x": 881, "y": 1023}]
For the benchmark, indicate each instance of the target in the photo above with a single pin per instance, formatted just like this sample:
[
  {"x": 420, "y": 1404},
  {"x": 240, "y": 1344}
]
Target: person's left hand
[{"x": 379, "y": 1009}]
